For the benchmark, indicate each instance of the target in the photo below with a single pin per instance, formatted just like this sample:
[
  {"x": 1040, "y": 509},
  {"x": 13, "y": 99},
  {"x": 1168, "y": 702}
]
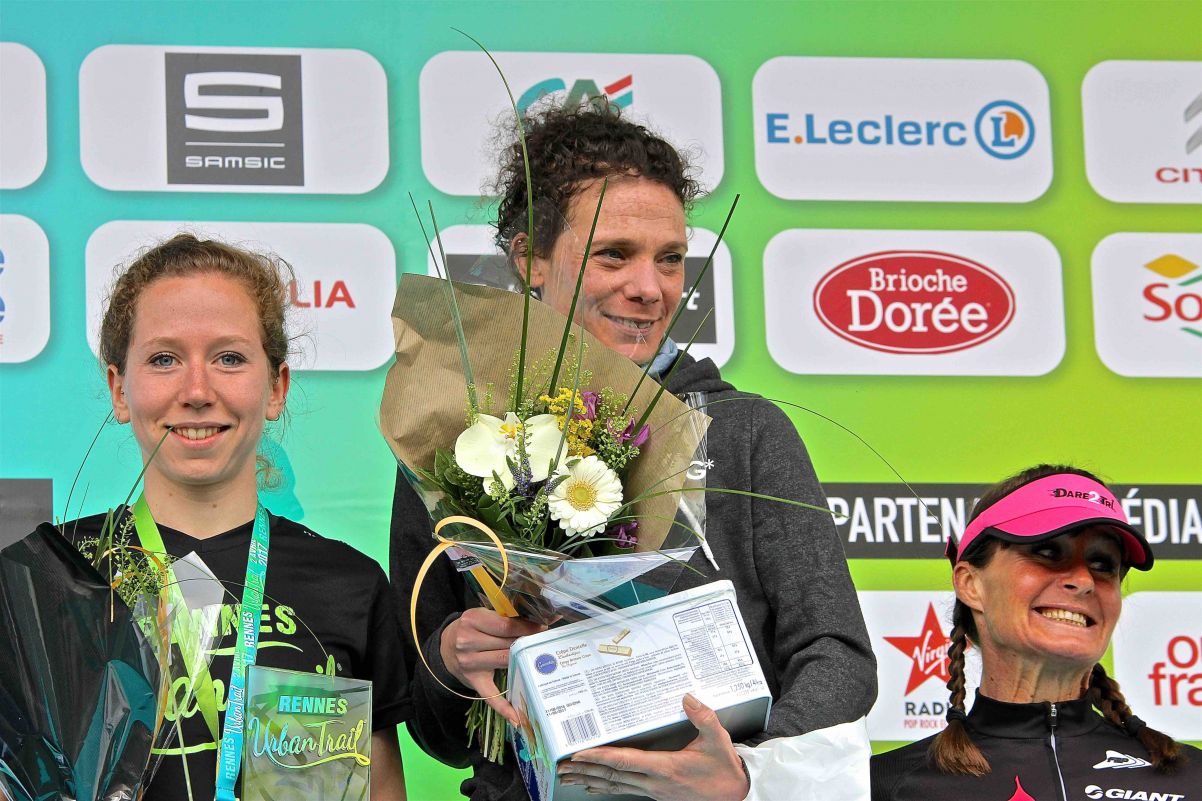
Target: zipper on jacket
[{"x": 1053, "y": 714}]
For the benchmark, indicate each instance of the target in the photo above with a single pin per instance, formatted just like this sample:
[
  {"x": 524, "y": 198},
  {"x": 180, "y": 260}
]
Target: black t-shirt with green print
[{"x": 318, "y": 591}]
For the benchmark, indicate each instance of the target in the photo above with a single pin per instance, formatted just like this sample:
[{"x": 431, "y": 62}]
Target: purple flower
[
  {"x": 625, "y": 534},
  {"x": 627, "y": 434},
  {"x": 590, "y": 404}
]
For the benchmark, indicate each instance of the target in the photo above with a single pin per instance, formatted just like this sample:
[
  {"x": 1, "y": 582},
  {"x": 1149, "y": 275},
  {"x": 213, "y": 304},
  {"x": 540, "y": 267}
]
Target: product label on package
[
  {"x": 713, "y": 639},
  {"x": 619, "y": 676}
]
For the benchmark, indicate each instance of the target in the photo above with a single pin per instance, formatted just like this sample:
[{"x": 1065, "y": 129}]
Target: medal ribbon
[{"x": 229, "y": 758}]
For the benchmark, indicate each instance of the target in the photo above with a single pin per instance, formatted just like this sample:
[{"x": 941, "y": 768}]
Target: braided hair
[{"x": 953, "y": 751}]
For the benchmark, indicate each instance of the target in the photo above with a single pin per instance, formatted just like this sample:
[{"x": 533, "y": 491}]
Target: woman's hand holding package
[
  {"x": 707, "y": 769},
  {"x": 476, "y": 644}
]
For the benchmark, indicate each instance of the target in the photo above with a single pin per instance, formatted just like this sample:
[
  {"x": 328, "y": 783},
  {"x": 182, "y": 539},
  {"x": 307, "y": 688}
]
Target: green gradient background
[{"x": 932, "y": 429}]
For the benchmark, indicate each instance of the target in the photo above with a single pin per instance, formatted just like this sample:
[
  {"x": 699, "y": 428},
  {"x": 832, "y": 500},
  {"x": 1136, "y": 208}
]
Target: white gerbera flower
[
  {"x": 483, "y": 448},
  {"x": 583, "y": 501}
]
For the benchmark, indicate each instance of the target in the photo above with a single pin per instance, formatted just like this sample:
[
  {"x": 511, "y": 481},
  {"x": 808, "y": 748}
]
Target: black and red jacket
[{"x": 1039, "y": 752}]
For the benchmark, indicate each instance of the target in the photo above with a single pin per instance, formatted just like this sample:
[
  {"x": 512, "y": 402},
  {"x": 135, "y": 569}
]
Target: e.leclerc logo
[
  {"x": 1002, "y": 129},
  {"x": 914, "y": 302},
  {"x": 943, "y": 130}
]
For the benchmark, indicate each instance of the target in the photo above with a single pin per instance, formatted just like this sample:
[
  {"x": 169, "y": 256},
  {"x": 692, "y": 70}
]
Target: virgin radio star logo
[{"x": 927, "y": 650}]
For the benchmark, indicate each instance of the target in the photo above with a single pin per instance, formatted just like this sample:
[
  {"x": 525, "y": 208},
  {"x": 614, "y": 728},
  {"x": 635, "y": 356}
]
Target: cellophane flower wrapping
[
  {"x": 630, "y": 550},
  {"x": 85, "y": 676}
]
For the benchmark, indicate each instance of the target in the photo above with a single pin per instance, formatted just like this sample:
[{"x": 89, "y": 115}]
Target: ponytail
[
  {"x": 1105, "y": 695},
  {"x": 953, "y": 751}
]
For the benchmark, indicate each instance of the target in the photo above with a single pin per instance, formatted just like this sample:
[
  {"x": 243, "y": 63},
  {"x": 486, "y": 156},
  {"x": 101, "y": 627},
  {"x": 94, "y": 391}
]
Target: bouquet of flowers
[
  {"x": 92, "y": 647},
  {"x": 559, "y": 496}
]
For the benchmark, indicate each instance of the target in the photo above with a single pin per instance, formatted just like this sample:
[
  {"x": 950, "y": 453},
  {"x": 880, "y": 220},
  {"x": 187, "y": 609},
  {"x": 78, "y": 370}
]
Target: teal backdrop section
[{"x": 339, "y": 472}]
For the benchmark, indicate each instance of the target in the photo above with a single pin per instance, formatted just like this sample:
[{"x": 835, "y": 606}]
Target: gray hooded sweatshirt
[{"x": 786, "y": 563}]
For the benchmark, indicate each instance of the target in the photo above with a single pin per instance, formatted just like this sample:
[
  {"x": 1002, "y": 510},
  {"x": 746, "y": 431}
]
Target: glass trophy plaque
[{"x": 307, "y": 736}]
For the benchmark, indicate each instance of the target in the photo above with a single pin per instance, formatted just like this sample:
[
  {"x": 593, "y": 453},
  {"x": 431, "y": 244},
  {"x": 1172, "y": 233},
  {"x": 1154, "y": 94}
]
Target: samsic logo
[
  {"x": 619, "y": 93},
  {"x": 1001, "y": 129},
  {"x": 914, "y": 302},
  {"x": 234, "y": 119},
  {"x": 1147, "y": 297},
  {"x": 212, "y": 119},
  {"x": 942, "y": 130}
]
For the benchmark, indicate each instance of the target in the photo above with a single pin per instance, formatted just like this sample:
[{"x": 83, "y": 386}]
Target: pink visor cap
[{"x": 1049, "y": 507}]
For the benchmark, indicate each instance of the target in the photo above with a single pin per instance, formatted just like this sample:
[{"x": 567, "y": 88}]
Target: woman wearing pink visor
[{"x": 1037, "y": 577}]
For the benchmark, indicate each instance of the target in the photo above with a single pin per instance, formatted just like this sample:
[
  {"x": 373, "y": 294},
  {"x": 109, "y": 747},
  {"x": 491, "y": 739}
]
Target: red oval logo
[{"x": 914, "y": 301}]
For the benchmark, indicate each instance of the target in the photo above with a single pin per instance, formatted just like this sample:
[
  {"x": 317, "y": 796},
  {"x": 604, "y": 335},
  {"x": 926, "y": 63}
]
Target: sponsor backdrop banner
[{"x": 968, "y": 233}]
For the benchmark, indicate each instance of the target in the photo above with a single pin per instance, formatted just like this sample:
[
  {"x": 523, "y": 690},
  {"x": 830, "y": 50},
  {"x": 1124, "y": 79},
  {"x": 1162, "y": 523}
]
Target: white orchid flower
[{"x": 484, "y": 447}]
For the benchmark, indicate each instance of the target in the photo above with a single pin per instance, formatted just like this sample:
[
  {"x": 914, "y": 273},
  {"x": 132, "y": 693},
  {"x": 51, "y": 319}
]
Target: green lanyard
[{"x": 229, "y": 758}]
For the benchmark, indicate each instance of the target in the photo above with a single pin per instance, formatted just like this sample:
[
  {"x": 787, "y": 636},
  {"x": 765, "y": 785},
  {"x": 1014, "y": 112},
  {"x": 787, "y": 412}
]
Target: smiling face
[
  {"x": 635, "y": 274},
  {"x": 196, "y": 367},
  {"x": 1053, "y": 603}
]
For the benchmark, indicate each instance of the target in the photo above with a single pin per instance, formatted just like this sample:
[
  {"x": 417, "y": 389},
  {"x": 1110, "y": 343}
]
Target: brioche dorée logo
[{"x": 914, "y": 301}]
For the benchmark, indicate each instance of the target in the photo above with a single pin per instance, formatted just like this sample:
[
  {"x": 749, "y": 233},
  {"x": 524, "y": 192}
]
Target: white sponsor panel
[
  {"x": 22, "y": 116},
  {"x": 462, "y": 98},
  {"x": 473, "y": 257},
  {"x": 866, "y": 302},
  {"x": 909, "y": 633},
  {"x": 1147, "y": 302},
  {"x": 902, "y": 129},
  {"x": 1158, "y": 660},
  {"x": 1143, "y": 131},
  {"x": 216, "y": 119},
  {"x": 24, "y": 289},
  {"x": 341, "y": 300}
]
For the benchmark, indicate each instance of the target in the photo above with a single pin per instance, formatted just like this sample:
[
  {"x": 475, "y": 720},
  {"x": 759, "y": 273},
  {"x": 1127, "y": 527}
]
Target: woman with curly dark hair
[
  {"x": 786, "y": 563},
  {"x": 1037, "y": 574}
]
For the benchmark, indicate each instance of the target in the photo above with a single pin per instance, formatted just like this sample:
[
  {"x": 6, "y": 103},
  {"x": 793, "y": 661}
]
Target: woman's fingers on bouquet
[
  {"x": 487, "y": 689},
  {"x": 489, "y": 622},
  {"x": 478, "y": 643}
]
